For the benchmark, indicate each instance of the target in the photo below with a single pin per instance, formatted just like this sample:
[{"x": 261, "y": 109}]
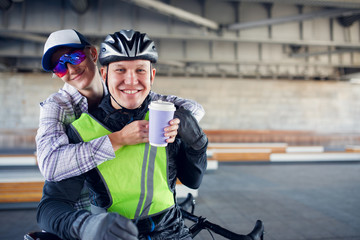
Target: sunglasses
[{"x": 76, "y": 57}]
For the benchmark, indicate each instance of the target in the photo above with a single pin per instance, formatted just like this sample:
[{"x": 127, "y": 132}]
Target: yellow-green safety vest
[{"x": 136, "y": 179}]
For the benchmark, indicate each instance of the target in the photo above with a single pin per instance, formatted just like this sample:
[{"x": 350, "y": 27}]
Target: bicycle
[{"x": 200, "y": 223}]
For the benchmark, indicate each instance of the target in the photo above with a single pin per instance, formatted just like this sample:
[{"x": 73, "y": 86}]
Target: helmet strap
[
  {"x": 117, "y": 102},
  {"x": 107, "y": 85}
]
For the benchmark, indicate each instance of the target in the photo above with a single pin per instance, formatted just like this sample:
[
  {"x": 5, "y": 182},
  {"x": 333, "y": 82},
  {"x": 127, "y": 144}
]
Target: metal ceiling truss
[
  {"x": 178, "y": 13},
  {"x": 326, "y": 13},
  {"x": 320, "y": 3},
  {"x": 346, "y": 11}
]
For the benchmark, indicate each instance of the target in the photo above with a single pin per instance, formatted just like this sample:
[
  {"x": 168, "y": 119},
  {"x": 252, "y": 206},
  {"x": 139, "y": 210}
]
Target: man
[
  {"x": 127, "y": 58},
  {"x": 71, "y": 57}
]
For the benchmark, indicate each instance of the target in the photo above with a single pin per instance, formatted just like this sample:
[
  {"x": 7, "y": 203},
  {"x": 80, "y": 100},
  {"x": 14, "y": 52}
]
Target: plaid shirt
[{"x": 57, "y": 159}]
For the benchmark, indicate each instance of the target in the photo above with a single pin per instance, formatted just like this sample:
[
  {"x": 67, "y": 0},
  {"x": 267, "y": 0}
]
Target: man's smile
[{"x": 130, "y": 91}]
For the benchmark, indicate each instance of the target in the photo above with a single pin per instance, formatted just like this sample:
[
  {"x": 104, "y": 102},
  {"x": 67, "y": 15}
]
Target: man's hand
[
  {"x": 171, "y": 131},
  {"x": 104, "y": 226},
  {"x": 138, "y": 132},
  {"x": 134, "y": 133}
]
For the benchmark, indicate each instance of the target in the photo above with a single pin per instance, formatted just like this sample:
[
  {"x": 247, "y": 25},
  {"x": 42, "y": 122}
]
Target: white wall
[
  {"x": 321, "y": 106},
  {"x": 330, "y": 107}
]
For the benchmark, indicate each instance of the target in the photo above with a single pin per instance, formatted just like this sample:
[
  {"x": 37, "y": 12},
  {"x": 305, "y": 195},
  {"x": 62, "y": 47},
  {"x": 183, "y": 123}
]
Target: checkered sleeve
[{"x": 57, "y": 159}]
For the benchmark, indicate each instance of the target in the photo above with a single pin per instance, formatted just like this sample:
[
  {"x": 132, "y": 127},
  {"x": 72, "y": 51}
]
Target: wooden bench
[
  {"x": 258, "y": 136},
  {"x": 241, "y": 154},
  {"x": 244, "y": 151},
  {"x": 352, "y": 148},
  {"x": 274, "y": 147},
  {"x": 20, "y": 192},
  {"x": 15, "y": 192},
  {"x": 291, "y": 137},
  {"x": 278, "y": 152}
]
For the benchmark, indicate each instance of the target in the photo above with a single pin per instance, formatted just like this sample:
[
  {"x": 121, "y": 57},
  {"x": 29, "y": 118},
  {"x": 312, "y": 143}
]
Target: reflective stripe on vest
[{"x": 136, "y": 179}]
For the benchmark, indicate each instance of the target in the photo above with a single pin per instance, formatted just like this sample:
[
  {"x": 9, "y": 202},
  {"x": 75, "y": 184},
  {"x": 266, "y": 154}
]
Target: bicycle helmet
[{"x": 127, "y": 45}]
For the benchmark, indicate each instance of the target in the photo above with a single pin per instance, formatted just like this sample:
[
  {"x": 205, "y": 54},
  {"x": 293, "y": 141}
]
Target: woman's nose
[{"x": 72, "y": 68}]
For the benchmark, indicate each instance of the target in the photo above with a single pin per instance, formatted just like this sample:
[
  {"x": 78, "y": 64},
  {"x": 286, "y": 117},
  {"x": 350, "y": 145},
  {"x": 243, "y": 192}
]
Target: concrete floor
[
  {"x": 312, "y": 201},
  {"x": 295, "y": 201}
]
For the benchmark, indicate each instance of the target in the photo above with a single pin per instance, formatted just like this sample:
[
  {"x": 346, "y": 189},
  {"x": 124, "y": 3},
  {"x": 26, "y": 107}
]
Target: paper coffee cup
[{"x": 160, "y": 114}]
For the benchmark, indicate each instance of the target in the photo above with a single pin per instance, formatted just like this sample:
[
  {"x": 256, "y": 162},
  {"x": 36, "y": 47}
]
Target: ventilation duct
[
  {"x": 79, "y": 6},
  {"x": 5, "y": 4}
]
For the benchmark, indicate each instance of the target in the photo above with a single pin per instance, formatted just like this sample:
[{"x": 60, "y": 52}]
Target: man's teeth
[{"x": 130, "y": 91}]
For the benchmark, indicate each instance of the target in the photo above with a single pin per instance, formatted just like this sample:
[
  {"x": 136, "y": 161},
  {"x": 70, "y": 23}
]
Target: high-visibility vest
[{"x": 136, "y": 179}]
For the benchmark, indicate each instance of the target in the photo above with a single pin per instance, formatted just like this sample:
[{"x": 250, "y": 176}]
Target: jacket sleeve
[
  {"x": 56, "y": 212},
  {"x": 191, "y": 165},
  {"x": 57, "y": 158},
  {"x": 191, "y": 157}
]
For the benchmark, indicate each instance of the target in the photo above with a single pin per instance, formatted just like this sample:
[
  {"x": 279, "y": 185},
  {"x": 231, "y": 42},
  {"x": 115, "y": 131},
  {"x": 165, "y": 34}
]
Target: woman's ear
[{"x": 93, "y": 54}]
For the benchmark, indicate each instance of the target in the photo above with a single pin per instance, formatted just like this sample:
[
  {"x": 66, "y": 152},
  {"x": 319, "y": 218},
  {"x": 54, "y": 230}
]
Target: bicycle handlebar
[{"x": 202, "y": 223}]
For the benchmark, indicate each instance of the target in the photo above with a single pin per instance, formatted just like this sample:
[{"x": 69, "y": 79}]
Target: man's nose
[{"x": 130, "y": 78}]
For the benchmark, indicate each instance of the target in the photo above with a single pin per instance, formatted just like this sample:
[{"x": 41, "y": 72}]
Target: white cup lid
[{"x": 162, "y": 106}]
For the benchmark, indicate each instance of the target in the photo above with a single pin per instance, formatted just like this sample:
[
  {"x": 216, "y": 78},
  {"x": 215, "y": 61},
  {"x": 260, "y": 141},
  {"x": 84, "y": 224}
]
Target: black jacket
[{"x": 56, "y": 211}]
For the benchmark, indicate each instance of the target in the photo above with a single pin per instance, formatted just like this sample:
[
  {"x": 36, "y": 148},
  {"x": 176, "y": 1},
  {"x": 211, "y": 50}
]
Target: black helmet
[{"x": 127, "y": 45}]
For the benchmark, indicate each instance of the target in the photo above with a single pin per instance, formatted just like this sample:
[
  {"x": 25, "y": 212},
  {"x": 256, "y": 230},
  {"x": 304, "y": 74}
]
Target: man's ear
[
  {"x": 103, "y": 71},
  {"x": 152, "y": 76}
]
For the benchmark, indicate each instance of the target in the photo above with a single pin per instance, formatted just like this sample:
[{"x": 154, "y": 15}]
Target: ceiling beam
[
  {"x": 22, "y": 36},
  {"x": 195, "y": 62},
  {"x": 97, "y": 36},
  {"x": 331, "y": 52},
  {"x": 174, "y": 63},
  {"x": 320, "y": 3},
  {"x": 295, "y": 18},
  {"x": 229, "y": 38},
  {"x": 178, "y": 13}
]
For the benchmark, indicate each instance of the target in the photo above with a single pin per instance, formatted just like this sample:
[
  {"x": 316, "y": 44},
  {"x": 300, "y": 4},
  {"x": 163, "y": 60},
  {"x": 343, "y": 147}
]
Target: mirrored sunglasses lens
[
  {"x": 60, "y": 70},
  {"x": 77, "y": 57},
  {"x": 73, "y": 58}
]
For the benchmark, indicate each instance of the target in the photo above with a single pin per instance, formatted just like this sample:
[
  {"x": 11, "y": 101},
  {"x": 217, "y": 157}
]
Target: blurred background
[
  {"x": 266, "y": 72},
  {"x": 254, "y": 65}
]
